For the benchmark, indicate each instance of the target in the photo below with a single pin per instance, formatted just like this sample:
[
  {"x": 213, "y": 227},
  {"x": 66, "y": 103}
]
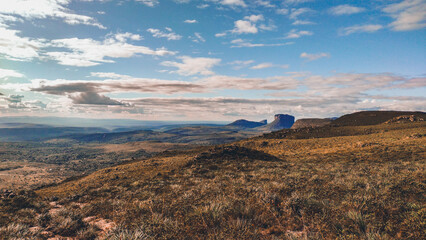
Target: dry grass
[{"x": 367, "y": 186}]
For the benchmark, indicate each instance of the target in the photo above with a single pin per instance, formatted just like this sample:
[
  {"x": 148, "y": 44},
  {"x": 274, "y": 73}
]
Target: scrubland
[{"x": 345, "y": 183}]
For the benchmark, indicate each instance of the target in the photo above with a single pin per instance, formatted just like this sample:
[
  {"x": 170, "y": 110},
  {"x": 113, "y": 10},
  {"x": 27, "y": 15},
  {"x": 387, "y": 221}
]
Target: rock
[
  {"x": 281, "y": 121},
  {"x": 405, "y": 119}
]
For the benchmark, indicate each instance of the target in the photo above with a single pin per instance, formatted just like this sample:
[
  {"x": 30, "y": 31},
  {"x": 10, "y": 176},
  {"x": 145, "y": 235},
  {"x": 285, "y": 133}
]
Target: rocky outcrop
[
  {"x": 405, "y": 119},
  {"x": 311, "y": 122},
  {"x": 281, "y": 121},
  {"x": 242, "y": 123}
]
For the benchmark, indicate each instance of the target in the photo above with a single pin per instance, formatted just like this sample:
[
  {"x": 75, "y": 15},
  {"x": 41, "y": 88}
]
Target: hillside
[
  {"x": 372, "y": 117},
  {"x": 311, "y": 122},
  {"x": 357, "y": 182}
]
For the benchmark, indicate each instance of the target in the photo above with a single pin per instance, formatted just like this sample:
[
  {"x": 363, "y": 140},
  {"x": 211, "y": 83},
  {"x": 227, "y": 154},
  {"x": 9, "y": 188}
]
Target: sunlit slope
[
  {"x": 369, "y": 185},
  {"x": 375, "y": 143}
]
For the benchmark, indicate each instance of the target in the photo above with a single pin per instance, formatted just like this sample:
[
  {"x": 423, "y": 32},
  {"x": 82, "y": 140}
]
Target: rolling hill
[{"x": 348, "y": 182}]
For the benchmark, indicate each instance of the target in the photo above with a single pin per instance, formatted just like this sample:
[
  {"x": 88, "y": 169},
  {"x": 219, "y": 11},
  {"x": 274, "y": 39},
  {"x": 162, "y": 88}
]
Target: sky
[{"x": 210, "y": 60}]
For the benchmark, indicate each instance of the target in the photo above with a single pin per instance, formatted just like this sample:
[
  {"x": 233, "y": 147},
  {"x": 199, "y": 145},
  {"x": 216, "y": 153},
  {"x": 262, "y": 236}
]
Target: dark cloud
[
  {"x": 62, "y": 89},
  {"x": 14, "y": 98},
  {"x": 93, "y": 98},
  {"x": 16, "y": 102},
  {"x": 132, "y": 85}
]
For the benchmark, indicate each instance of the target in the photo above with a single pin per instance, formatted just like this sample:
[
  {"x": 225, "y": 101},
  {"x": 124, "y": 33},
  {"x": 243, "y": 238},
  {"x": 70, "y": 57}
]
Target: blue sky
[{"x": 210, "y": 59}]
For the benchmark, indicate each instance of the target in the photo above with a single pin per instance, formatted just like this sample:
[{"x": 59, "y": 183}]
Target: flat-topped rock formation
[{"x": 281, "y": 121}]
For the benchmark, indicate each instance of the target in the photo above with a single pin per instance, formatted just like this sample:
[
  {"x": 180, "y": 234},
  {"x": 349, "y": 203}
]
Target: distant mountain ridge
[
  {"x": 41, "y": 132},
  {"x": 247, "y": 124}
]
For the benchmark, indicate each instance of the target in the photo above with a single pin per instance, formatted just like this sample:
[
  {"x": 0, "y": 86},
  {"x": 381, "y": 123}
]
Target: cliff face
[
  {"x": 311, "y": 122},
  {"x": 281, "y": 121}
]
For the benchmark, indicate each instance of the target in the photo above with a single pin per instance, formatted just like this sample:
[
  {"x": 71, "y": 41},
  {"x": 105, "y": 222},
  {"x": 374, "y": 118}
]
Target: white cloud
[
  {"x": 270, "y": 27},
  {"x": 233, "y": 3},
  {"x": 324, "y": 96},
  {"x": 149, "y": 3},
  {"x": 198, "y": 38},
  {"x": 220, "y": 34},
  {"x": 282, "y": 11},
  {"x": 314, "y": 56},
  {"x": 239, "y": 43},
  {"x": 262, "y": 66},
  {"x": 302, "y": 22},
  {"x": 40, "y": 9},
  {"x": 243, "y": 26},
  {"x": 108, "y": 75},
  {"x": 88, "y": 52},
  {"x": 8, "y": 18},
  {"x": 408, "y": 15},
  {"x": 345, "y": 9},
  {"x": 6, "y": 73},
  {"x": 265, "y": 3},
  {"x": 14, "y": 47},
  {"x": 203, "y": 6},
  {"x": 297, "y": 1},
  {"x": 267, "y": 65},
  {"x": 411, "y": 83},
  {"x": 242, "y": 83},
  {"x": 255, "y": 18},
  {"x": 297, "y": 12},
  {"x": 248, "y": 26},
  {"x": 238, "y": 64},
  {"x": 122, "y": 37},
  {"x": 360, "y": 28},
  {"x": 190, "y": 21},
  {"x": 170, "y": 35},
  {"x": 182, "y": 1},
  {"x": 193, "y": 66},
  {"x": 297, "y": 34}
]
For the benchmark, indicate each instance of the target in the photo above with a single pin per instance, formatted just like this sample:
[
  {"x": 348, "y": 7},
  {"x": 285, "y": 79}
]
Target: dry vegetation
[
  {"x": 347, "y": 183},
  {"x": 29, "y": 165}
]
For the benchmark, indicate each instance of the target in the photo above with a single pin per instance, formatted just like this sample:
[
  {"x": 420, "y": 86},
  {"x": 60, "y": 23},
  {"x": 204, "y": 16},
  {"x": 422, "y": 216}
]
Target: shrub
[
  {"x": 67, "y": 222},
  {"x": 121, "y": 233},
  {"x": 15, "y": 231},
  {"x": 44, "y": 219},
  {"x": 90, "y": 233}
]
